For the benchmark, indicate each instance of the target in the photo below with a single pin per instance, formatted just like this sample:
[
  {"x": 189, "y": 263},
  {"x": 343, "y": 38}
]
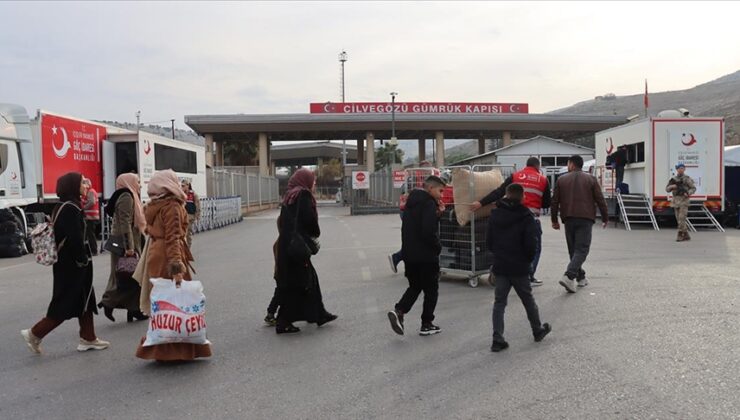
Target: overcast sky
[{"x": 103, "y": 60}]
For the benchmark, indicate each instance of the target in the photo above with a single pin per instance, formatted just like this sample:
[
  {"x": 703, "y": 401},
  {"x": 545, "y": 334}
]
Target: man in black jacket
[
  {"x": 512, "y": 238},
  {"x": 420, "y": 248}
]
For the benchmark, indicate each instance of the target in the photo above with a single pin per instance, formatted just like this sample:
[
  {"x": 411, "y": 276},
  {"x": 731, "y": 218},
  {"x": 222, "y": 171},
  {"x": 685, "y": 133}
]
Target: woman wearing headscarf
[
  {"x": 128, "y": 222},
  {"x": 168, "y": 256},
  {"x": 298, "y": 292},
  {"x": 73, "y": 295}
]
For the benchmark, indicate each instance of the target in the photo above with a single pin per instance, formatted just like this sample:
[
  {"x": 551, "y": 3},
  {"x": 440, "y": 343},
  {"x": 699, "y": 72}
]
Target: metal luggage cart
[{"x": 464, "y": 252}]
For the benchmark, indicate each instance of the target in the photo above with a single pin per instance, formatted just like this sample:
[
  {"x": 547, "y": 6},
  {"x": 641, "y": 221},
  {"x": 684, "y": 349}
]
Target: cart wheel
[{"x": 473, "y": 281}]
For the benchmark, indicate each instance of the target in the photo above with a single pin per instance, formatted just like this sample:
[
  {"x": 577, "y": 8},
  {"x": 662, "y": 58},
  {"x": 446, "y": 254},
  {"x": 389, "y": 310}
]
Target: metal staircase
[
  {"x": 699, "y": 216},
  {"x": 636, "y": 209}
]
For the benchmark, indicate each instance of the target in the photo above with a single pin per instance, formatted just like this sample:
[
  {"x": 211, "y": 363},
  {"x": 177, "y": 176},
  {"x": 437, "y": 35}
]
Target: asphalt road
[{"x": 655, "y": 335}]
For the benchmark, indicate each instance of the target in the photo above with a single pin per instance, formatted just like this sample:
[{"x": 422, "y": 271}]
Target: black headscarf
[{"x": 68, "y": 188}]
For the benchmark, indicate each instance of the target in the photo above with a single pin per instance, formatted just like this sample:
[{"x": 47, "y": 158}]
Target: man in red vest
[
  {"x": 536, "y": 197},
  {"x": 91, "y": 208}
]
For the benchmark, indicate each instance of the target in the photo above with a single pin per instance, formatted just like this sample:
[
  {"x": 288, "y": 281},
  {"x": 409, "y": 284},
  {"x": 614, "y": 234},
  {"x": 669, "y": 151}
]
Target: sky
[{"x": 107, "y": 60}]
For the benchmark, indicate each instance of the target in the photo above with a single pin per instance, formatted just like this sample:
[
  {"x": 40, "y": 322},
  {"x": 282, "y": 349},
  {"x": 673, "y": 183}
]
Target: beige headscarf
[
  {"x": 164, "y": 183},
  {"x": 131, "y": 182}
]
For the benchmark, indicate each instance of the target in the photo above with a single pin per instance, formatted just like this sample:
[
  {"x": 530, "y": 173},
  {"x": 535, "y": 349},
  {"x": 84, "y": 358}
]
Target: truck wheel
[{"x": 473, "y": 281}]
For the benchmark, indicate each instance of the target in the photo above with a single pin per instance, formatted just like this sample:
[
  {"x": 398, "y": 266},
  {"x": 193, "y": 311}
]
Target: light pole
[
  {"x": 394, "y": 140},
  {"x": 342, "y": 60}
]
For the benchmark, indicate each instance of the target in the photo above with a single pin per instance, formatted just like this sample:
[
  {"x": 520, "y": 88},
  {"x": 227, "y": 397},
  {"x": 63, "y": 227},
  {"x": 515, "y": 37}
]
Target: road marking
[
  {"x": 361, "y": 254},
  {"x": 366, "y": 274}
]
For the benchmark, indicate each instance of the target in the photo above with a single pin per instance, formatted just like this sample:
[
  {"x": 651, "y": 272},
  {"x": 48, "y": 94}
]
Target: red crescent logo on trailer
[
  {"x": 13, "y": 176},
  {"x": 147, "y": 147},
  {"x": 691, "y": 142},
  {"x": 609, "y": 146}
]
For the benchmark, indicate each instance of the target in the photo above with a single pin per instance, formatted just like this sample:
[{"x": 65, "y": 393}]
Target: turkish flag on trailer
[{"x": 646, "y": 97}]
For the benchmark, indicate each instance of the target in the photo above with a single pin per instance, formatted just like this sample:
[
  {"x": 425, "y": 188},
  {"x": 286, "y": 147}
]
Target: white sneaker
[
  {"x": 582, "y": 282},
  {"x": 569, "y": 284},
  {"x": 32, "y": 341},
  {"x": 98, "y": 344}
]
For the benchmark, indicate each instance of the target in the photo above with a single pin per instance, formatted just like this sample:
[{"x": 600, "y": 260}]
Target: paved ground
[{"x": 655, "y": 335}]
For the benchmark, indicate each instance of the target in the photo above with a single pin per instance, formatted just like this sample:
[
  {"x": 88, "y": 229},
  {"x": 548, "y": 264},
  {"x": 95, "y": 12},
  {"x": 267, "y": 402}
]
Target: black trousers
[
  {"x": 91, "y": 232},
  {"x": 272, "y": 308},
  {"x": 422, "y": 277},
  {"x": 523, "y": 288}
]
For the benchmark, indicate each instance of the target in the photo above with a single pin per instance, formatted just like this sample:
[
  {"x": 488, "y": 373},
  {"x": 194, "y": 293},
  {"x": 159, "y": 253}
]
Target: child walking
[
  {"x": 512, "y": 238},
  {"x": 420, "y": 248}
]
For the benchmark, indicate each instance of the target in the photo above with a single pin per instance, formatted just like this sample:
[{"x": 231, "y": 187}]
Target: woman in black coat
[
  {"x": 298, "y": 290},
  {"x": 73, "y": 295}
]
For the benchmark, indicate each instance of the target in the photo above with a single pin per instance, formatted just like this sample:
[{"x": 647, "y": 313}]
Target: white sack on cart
[{"x": 483, "y": 182}]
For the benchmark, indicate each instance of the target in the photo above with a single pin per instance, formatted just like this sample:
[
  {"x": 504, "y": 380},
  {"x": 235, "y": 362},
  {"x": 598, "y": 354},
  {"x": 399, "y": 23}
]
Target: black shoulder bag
[{"x": 301, "y": 247}]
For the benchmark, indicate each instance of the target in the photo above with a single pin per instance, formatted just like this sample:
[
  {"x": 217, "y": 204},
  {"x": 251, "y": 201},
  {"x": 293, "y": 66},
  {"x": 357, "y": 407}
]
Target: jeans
[
  {"x": 423, "y": 277},
  {"x": 538, "y": 250},
  {"x": 523, "y": 289},
  {"x": 578, "y": 237}
]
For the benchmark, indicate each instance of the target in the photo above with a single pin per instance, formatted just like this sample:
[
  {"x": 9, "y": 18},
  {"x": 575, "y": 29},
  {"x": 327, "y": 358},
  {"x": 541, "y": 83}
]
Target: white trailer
[
  {"x": 655, "y": 146},
  {"x": 144, "y": 153}
]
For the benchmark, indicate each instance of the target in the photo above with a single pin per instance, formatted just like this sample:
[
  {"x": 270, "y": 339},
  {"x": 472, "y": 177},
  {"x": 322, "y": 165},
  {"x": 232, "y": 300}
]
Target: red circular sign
[{"x": 360, "y": 176}]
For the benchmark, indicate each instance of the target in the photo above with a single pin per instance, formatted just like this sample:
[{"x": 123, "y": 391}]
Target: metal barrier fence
[
  {"x": 215, "y": 213},
  {"x": 380, "y": 197},
  {"x": 255, "y": 190}
]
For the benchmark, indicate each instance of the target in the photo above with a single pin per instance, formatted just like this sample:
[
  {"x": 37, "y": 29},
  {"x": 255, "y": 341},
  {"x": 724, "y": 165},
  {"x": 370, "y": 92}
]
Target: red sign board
[
  {"x": 361, "y": 176},
  {"x": 70, "y": 146},
  {"x": 419, "y": 108},
  {"x": 399, "y": 178}
]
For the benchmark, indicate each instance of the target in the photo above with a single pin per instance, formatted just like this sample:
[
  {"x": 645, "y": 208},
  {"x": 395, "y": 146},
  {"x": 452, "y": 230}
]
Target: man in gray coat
[{"x": 576, "y": 196}]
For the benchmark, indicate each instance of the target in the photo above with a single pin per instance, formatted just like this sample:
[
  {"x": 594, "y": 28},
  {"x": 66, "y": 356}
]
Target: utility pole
[
  {"x": 138, "y": 120},
  {"x": 342, "y": 60},
  {"x": 173, "y": 128}
]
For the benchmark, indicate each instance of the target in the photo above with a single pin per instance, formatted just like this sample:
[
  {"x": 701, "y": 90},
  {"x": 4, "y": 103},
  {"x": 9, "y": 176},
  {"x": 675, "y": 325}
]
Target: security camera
[{"x": 684, "y": 112}]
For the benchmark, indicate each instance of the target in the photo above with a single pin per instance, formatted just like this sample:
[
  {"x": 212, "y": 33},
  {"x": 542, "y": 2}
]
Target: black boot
[
  {"x": 107, "y": 311},
  {"x": 286, "y": 328},
  {"x": 138, "y": 315}
]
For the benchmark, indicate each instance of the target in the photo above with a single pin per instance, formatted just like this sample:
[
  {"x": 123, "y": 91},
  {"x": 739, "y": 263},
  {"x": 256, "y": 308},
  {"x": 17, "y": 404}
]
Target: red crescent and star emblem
[
  {"x": 147, "y": 147},
  {"x": 690, "y": 142},
  {"x": 609, "y": 146},
  {"x": 13, "y": 176}
]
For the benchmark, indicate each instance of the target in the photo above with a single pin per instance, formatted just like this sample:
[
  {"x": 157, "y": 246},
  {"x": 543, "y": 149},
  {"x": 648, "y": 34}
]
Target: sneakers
[
  {"x": 542, "y": 333},
  {"x": 33, "y": 343},
  {"x": 569, "y": 284},
  {"x": 396, "y": 320},
  {"x": 497, "y": 346},
  {"x": 270, "y": 320},
  {"x": 583, "y": 282},
  {"x": 394, "y": 260},
  {"x": 97, "y": 344},
  {"x": 429, "y": 329},
  {"x": 535, "y": 282}
]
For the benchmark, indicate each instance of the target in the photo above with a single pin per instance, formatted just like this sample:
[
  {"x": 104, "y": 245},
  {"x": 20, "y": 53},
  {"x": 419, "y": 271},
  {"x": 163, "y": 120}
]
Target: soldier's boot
[
  {"x": 679, "y": 236},
  {"x": 686, "y": 236}
]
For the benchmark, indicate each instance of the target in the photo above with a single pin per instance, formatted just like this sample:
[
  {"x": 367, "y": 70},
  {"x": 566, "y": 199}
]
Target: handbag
[
  {"x": 115, "y": 245},
  {"x": 301, "y": 247},
  {"x": 125, "y": 268}
]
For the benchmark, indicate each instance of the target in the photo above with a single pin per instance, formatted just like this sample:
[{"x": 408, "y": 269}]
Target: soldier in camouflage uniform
[{"x": 682, "y": 187}]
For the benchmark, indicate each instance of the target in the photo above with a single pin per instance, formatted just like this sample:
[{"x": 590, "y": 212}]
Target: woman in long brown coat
[
  {"x": 168, "y": 255},
  {"x": 128, "y": 222}
]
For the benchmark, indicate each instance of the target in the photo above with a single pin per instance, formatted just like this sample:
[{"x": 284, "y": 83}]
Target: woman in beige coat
[
  {"x": 168, "y": 255},
  {"x": 128, "y": 222}
]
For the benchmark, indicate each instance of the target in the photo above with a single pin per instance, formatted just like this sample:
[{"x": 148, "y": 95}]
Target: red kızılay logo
[
  {"x": 688, "y": 142},
  {"x": 147, "y": 147},
  {"x": 609, "y": 146},
  {"x": 13, "y": 176}
]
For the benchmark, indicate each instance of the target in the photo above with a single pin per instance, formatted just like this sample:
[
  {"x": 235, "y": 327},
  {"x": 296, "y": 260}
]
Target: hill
[{"x": 718, "y": 98}]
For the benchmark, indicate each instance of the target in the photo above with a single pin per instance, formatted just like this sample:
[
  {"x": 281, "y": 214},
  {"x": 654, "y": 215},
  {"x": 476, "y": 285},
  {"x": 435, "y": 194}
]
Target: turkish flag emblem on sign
[{"x": 70, "y": 146}]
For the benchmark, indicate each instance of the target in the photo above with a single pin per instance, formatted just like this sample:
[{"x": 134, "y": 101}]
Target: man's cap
[
  {"x": 435, "y": 179},
  {"x": 680, "y": 165}
]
